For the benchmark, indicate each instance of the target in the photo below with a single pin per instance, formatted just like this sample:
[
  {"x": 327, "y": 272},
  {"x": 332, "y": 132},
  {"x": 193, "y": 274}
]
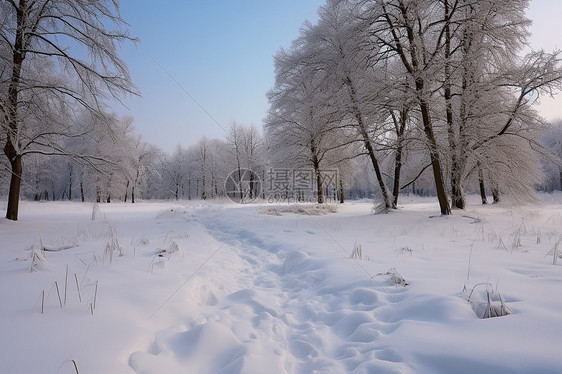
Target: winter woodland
[
  {"x": 399, "y": 96},
  {"x": 424, "y": 106}
]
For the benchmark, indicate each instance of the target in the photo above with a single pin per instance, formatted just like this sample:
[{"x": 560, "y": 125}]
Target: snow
[{"x": 197, "y": 287}]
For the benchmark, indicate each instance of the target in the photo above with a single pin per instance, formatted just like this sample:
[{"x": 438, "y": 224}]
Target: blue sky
[
  {"x": 219, "y": 52},
  {"x": 202, "y": 64}
]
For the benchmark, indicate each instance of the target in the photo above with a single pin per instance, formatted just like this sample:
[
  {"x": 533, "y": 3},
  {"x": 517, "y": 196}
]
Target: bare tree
[
  {"x": 245, "y": 150},
  {"x": 357, "y": 86},
  {"x": 175, "y": 172},
  {"x": 552, "y": 140},
  {"x": 410, "y": 32},
  {"x": 298, "y": 124},
  {"x": 44, "y": 40},
  {"x": 143, "y": 159},
  {"x": 487, "y": 86},
  {"x": 461, "y": 60}
]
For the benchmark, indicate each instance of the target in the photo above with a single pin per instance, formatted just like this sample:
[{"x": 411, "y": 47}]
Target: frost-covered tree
[
  {"x": 410, "y": 32},
  {"x": 460, "y": 60},
  {"x": 299, "y": 124},
  {"x": 245, "y": 149},
  {"x": 487, "y": 87},
  {"x": 55, "y": 54},
  {"x": 552, "y": 162},
  {"x": 174, "y": 172},
  {"x": 142, "y": 161},
  {"x": 209, "y": 173},
  {"x": 337, "y": 45}
]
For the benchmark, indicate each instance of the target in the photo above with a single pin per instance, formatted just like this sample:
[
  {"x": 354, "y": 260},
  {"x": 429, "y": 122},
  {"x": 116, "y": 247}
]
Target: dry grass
[
  {"x": 38, "y": 260},
  {"x": 555, "y": 252},
  {"x": 357, "y": 253},
  {"x": 488, "y": 304},
  {"x": 395, "y": 277},
  {"x": 304, "y": 209}
]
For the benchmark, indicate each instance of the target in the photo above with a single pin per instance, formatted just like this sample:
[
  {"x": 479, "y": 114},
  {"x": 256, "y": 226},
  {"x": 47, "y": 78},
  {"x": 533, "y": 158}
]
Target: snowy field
[{"x": 202, "y": 288}]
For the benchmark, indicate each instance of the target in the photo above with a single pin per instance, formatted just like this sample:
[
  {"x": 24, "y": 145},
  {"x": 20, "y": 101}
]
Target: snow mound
[{"x": 207, "y": 348}]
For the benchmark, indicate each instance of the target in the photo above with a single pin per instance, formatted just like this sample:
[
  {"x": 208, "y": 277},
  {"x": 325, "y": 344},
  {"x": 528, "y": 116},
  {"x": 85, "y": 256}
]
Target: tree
[
  {"x": 357, "y": 86},
  {"x": 410, "y": 32},
  {"x": 41, "y": 42},
  {"x": 299, "y": 123},
  {"x": 487, "y": 85},
  {"x": 244, "y": 150},
  {"x": 462, "y": 66},
  {"x": 142, "y": 161},
  {"x": 175, "y": 172},
  {"x": 552, "y": 163}
]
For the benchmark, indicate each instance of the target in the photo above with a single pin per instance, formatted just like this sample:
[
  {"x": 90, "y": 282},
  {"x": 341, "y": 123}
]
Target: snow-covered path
[
  {"x": 291, "y": 312},
  {"x": 295, "y": 303},
  {"x": 254, "y": 289}
]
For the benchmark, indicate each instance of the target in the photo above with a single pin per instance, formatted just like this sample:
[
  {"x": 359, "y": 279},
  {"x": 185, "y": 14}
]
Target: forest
[{"x": 397, "y": 96}]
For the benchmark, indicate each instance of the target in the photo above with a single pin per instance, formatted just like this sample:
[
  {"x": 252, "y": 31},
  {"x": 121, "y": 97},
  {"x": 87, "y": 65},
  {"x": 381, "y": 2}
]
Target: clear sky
[
  {"x": 218, "y": 51},
  {"x": 203, "y": 64}
]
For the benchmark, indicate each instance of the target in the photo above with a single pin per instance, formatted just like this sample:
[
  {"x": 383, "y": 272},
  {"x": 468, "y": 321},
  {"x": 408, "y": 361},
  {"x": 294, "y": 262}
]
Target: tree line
[
  {"x": 397, "y": 95},
  {"x": 128, "y": 168}
]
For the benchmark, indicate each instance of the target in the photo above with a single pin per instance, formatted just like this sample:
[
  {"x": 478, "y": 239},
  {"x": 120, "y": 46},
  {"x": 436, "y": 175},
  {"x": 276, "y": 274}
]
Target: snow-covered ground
[{"x": 202, "y": 288}]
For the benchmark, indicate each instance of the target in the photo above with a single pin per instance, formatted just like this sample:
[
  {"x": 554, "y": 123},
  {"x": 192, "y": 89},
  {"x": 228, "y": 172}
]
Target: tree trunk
[
  {"x": 496, "y": 195},
  {"x": 252, "y": 186},
  {"x": 126, "y": 191},
  {"x": 342, "y": 196},
  {"x": 70, "y": 182},
  {"x": 482, "y": 186},
  {"x": 203, "y": 190},
  {"x": 240, "y": 179},
  {"x": 495, "y": 192},
  {"x": 82, "y": 191},
  {"x": 37, "y": 196},
  {"x": 12, "y": 118},
  {"x": 400, "y": 127},
  {"x": 263, "y": 187},
  {"x": 387, "y": 202},
  {"x": 397, "y": 171},
  {"x": 203, "y": 171},
  {"x": 414, "y": 69},
  {"x": 133, "y": 195},
  {"x": 15, "y": 184},
  {"x": 361, "y": 126},
  {"x": 457, "y": 196},
  {"x": 319, "y": 184},
  {"x": 316, "y": 165},
  {"x": 433, "y": 153}
]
